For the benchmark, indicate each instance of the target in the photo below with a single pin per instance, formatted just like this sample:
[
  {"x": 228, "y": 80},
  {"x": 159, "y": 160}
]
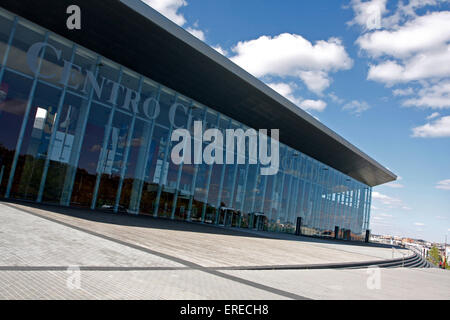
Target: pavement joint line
[
  {"x": 89, "y": 268},
  {"x": 352, "y": 265},
  {"x": 192, "y": 265}
]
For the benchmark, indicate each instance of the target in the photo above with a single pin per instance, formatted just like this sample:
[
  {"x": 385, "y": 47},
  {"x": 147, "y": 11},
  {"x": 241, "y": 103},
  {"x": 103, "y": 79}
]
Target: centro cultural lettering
[
  {"x": 132, "y": 97},
  {"x": 181, "y": 153}
]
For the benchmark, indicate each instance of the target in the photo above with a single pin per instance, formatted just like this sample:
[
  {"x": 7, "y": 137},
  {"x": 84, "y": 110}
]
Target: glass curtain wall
[{"x": 74, "y": 132}]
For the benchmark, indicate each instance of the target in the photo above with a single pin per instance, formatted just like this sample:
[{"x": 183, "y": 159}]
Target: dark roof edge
[{"x": 180, "y": 33}]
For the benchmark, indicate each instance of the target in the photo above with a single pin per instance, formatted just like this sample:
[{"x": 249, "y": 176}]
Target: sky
[{"x": 376, "y": 72}]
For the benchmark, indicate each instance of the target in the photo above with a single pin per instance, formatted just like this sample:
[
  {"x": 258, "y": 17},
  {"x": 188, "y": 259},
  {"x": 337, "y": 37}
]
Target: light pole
[{"x": 445, "y": 252}]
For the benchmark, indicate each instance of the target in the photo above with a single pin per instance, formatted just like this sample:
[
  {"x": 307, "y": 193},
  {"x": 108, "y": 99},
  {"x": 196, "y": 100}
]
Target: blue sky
[{"x": 377, "y": 72}]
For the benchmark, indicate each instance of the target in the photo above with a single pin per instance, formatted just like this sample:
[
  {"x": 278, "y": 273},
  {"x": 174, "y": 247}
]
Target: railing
[{"x": 402, "y": 253}]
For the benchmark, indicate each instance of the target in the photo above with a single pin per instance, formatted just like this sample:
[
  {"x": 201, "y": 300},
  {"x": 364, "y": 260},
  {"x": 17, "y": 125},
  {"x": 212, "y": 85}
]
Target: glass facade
[{"x": 74, "y": 133}]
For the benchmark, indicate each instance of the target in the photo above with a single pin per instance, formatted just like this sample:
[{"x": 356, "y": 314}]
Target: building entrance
[
  {"x": 257, "y": 221},
  {"x": 229, "y": 217}
]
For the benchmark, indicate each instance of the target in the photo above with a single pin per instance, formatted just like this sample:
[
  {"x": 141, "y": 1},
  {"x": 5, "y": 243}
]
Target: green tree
[{"x": 434, "y": 254}]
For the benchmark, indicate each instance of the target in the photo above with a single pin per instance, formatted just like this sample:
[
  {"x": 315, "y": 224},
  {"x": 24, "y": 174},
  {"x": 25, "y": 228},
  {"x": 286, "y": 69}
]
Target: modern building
[{"x": 84, "y": 122}]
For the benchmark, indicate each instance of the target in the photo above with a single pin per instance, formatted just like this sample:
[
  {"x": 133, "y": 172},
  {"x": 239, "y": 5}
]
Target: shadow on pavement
[{"x": 146, "y": 221}]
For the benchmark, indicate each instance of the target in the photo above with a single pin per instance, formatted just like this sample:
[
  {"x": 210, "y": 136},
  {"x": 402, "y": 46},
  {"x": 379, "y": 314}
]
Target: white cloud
[
  {"x": 403, "y": 92},
  {"x": 426, "y": 65},
  {"x": 368, "y": 13},
  {"x": 169, "y": 8},
  {"x": 220, "y": 50},
  {"x": 356, "y": 107},
  {"x": 372, "y": 14},
  {"x": 408, "y": 10},
  {"x": 387, "y": 200},
  {"x": 287, "y": 90},
  {"x": 421, "y": 34},
  {"x": 437, "y": 129},
  {"x": 335, "y": 98},
  {"x": 394, "y": 185},
  {"x": 316, "y": 105},
  {"x": 408, "y": 48},
  {"x": 386, "y": 215},
  {"x": 316, "y": 81},
  {"x": 420, "y": 224},
  {"x": 291, "y": 55},
  {"x": 382, "y": 216},
  {"x": 433, "y": 96},
  {"x": 433, "y": 115},
  {"x": 197, "y": 33},
  {"x": 443, "y": 185}
]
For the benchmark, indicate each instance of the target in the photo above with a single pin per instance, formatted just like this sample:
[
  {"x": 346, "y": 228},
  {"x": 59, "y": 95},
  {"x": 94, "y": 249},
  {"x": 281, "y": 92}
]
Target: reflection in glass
[
  {"x": 126, "y": 156},
  {"x": 35, "y": 143}
]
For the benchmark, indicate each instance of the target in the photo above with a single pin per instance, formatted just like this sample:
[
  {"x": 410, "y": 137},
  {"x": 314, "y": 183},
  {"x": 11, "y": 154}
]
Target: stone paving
[
  {"x": 123, "y": 257},
  {"x": 209, "y": 246}
]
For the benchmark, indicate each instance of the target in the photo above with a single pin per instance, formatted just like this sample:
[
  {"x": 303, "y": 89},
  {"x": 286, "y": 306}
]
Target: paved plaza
[{"x": 61, "y": 253}]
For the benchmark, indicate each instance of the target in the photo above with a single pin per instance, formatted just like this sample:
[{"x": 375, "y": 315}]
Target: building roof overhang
[{"x": 138, "y": 37}]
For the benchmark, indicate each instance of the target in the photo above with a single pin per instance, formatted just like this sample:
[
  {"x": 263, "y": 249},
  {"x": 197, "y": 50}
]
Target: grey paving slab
[
  {"x": 357, "y": 284},
  {"x": 26, "y": 240},
  {"x": 214, "y": 247},
  {"x": 38, "y": 244},
  {"x": 369, "y": 250},
  {"x": 174, "y": 285}
]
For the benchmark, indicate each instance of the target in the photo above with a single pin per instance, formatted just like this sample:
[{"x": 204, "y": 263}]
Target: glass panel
[
  {"x": 108, "y": 75},
  {"x": 52, "y": 67},
  {"x": 250, "y": 191},
  {"x": 136, "y": 151},
  {"x": 89, "y": 156},
  {"x": 154, "y": 170},
  {"x": 14, "y": 92},
  {"x": 213, "y": 192},
  {"x": 239, "y": 187},
  {"x": 145, "y": 153},
  {"x": 63, "y": 148},
  {"x": 168, "y": 189},
  {"x": 199, "y": 192},
  {"x": 84, "y": 60},
  {"x": 5, "y": 29},
  {"x": 35, "y": 144},
  {"x": 167, "y": 98},
  {"x": 184, "y": 191},
  {"x": 130, "y": 83},
  {"x": 169, "y": 186},
  {"x": 197, "y": 114},
  {"x": 111, "y": 165},
  {"x": 230, "y": 174},
  {"x": 24, "y": 37}
]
